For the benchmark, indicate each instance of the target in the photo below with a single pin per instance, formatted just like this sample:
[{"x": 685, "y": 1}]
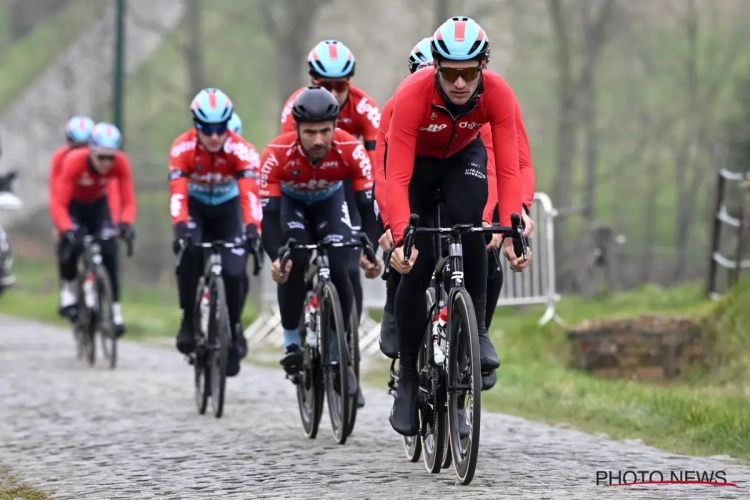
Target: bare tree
[
  {"x": 26, "y": 14},
  {"x": 442, "y": 11},
  {"x": 289, "y": 25}
]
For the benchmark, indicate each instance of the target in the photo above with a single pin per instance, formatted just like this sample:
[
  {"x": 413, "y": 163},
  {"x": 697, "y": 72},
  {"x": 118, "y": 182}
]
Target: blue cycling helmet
[
  {"x": 79, "y": 129},
  {"x": 211, "y": 106},
  {"x": 106, "y": 136},
  {"x": 460, "y": 39},
  {"x": 235, "y": 124},
  {"x": 421, "y": 55},
  {"x": 331, "y": 59}
]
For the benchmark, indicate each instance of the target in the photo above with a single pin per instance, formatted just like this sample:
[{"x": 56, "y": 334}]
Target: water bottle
[
  {"x": 88, "y": 290},
  {"x": 439, "y": 323},
  {"x": 311, "y": 312},
  {"x": 205, "y": 310}
]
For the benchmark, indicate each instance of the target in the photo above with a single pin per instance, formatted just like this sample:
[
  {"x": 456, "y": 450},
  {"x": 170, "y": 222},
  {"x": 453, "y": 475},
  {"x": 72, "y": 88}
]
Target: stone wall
[{"x": 645, "y": 348}]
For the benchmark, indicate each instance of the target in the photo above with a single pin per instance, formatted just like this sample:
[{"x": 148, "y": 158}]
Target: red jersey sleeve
[
  {"x": 270, "y": 173},
  {"x": 55, "y": 170},
  {"x": 124, "y": 178},
  {"x": 287, "y": 120},
  {"x": 528, "y": 178},
  {"x": 113, "y": 199},
  {"x": 502, "y": 118},
  {"x": 410, "y": 104},
  {"x": 179, "y": 172},
  {"x": 72, "y": 168},
  {"x": 247, "y": 164},
  {"x": 489, "y": 208},
  {"x": 379, "y": 163}
]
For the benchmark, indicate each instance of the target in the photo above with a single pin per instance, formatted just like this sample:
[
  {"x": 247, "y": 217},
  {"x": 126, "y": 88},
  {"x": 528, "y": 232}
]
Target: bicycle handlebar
[
  {"x": 285, "y": 252},
  {"x": 217, "y": 245},
  {"x": 515, "y": 231}
]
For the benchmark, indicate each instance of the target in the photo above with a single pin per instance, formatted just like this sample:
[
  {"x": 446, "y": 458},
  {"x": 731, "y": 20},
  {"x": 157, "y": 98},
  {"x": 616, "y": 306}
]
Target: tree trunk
[
  {"x": 194, "y": 48},
  {"x": 442, "y": 12}
]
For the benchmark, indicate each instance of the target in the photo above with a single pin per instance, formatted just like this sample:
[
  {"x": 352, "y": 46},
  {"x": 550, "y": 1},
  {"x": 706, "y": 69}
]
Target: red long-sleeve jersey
[{"x": 78, "y": 181}]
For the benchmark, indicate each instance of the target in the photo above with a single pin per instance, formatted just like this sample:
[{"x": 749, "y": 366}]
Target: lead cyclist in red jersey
[
  {"x": 420, "y": 58},
  {"x": 213, "y": 196},
  {"x": 331, "y": 65},
  {"x": 79, "y": 206},
  {"x": 302, "y": 174},
  {"x": 433, "y": 144}
]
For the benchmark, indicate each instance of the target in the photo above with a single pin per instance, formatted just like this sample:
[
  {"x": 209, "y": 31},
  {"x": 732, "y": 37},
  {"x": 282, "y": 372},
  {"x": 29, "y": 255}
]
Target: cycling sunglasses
[
  {"x": 209, "y": 130},
  {"x": 468, "y": 74},
  {"x": 338, "y": 86},
  {"x": 106, "y": 157}
]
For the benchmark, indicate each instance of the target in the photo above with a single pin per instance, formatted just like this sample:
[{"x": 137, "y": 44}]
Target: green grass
[
  {"x": 707, "y": 416},
  {"x": 12, "y": 489},
  {"x": 148, "y": 311},
  {"x": 22, "y": 62}
]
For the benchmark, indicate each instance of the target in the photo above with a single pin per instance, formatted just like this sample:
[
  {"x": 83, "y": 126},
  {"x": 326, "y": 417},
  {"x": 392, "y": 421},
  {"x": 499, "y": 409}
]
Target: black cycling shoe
[
  {"x": 237, "y": 351},
  {"x": 119, "y": 330},
  {"x": 186, "y": 338},
  {"x": 353, "y": 386},
  {"x": 489, "y": 379},
  {"x": 404, "y": 414},
  {"x": 487, "y": 355},
  {"x": 292, "y": 359},
  {"x": 69, "y": 312},
  {"x": 360, "y": 399},
  {"x": 388, "y": 336}
]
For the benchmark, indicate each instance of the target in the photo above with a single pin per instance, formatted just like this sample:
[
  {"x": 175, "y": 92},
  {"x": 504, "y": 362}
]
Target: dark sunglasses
[
  {"x": 468, "y": 74},
  {"x": 106, "y": 157},
  {"x": 337, "y": 86},
  {"x": 209, "y": 130}
]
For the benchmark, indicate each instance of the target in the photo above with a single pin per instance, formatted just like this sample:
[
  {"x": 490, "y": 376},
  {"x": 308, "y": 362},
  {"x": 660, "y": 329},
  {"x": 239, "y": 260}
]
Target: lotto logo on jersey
[
  {"x": 365, "y": 166},
  {"x": 180, "y": 148},
  {"x": 434, "y": 127},
  {"x": 243, "y": 152},
  {"x": 311, "y": 185},
  {"x": 470, "y": 126},
  {"x": 373, "y": 114},
  {"x": 266, "y": 169}
]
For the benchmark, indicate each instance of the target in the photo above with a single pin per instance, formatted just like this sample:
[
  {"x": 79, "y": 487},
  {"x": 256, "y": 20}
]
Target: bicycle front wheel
[
  {"x": 354, "y": 356},
  {"x": 219, "y": 337},
  {"x": 201, "y": 366},
  {"x": 309, "y": 382},
  {"x": 464, "y": 386},
  {"x": 104, "y": 317},
  {"x": 336, "y": 373}
]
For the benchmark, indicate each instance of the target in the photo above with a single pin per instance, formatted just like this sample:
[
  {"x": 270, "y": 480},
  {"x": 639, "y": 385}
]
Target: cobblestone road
[{"x": 82, "y": 433}]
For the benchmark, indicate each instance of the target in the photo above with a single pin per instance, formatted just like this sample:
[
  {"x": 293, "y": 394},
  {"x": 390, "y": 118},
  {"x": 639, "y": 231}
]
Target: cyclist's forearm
[
  {"x": 271, "y": 236},
  {"x": 369, "y": 222}
]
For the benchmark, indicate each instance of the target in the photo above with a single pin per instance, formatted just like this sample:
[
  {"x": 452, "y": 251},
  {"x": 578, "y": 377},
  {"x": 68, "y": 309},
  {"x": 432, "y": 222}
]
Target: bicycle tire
[
  {"x": 354, "y": 356},
  {"x": 432, "y": 449},
  {"x": 105, "y": 327},
  {"x": 219, "y": 337},
  {"x": 462, "y": 313},
  {"x": 310, "y": 390},
  {"x": 338, "y": 407},
  {"x": 202, "y": 370},
  {"x": 84, "y": 321}
]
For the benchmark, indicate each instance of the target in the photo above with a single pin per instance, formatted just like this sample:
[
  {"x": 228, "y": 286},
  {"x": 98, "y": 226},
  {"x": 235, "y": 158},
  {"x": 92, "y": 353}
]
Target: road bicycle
[
  {"x": 450, "y": 376},
  {"x": 213, "y": 331},
  {"x": 321, "y": 316},
  {"x": 93, "y": 290}
]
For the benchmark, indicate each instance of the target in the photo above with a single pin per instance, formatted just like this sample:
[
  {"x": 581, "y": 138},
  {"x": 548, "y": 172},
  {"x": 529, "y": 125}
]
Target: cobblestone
[{"x": 83, "y": 433}]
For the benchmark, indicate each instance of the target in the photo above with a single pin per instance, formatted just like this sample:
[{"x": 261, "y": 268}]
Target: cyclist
[
  {"x": 79, "y": 206},
  {"x": 331, "y": 65},
  {"x": 301, "y": 179},
  {"x": 433, "y": 143},
  {"x": 235, "y": 124},
  {"x": 213, "y": 196},
  {"x": 77, "y": 135},
  {"x": 419, "y": 58}
]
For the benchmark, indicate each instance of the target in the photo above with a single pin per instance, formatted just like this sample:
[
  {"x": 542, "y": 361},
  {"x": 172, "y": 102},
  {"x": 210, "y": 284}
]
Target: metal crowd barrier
[{"x": 535, "y": 286}]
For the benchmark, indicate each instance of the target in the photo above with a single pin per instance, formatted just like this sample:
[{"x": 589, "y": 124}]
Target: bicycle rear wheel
[
  {"x": 219, "y": 337},
  {"x": 432, "y": 414},
  {"x": 309, "y": 383},
  {"x": 354, "y": 357},
  {"x": 464, "y": 386},
  {"x": 332, "y": 318},
  {"x": 201, "y": 368},
  {"x": 104, "y": 317}
]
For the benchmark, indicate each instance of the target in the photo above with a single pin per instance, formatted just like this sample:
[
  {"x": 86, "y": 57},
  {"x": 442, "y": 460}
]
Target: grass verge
[
  {"x": 706, "y": 416},
  {"x": 12, "y": 489}
]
